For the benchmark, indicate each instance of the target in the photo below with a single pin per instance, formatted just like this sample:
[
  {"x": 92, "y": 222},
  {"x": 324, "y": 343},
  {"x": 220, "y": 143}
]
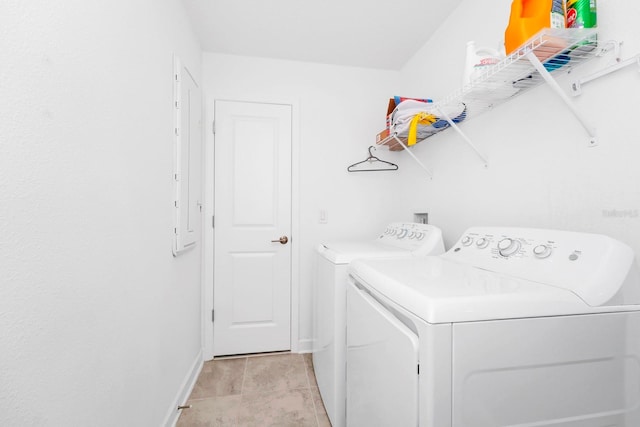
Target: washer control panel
[
  {"x": 504, "y": 245},
  {"x": 593, "y": 266},
  {"x": 413, "y": 236}
]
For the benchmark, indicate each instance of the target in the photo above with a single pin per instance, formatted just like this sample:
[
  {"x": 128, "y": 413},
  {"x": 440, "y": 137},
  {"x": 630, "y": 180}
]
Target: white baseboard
[
  {"x": 305, "y": 346},
  {"x": 185, "y": 391}
]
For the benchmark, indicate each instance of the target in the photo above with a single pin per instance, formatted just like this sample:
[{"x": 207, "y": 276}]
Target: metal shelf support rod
[
  {"x": 463, "y": 135},
  {"x": 558, "y": 90},
  {"x": 414, "y": 156},
  {"x": 576, "y": 86}
]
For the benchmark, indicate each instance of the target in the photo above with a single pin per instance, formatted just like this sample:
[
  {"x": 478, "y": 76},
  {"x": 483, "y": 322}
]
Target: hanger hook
[{"x": 370, "y": 153}]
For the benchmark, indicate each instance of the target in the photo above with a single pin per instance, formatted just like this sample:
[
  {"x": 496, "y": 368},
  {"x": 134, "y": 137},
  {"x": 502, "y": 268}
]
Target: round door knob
[
  {"x": 508, "y": 247},
  {"x": 283, "y": 240}
]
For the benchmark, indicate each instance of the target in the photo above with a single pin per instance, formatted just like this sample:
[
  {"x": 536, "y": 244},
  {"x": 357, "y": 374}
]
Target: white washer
[
  {"x": 510, "y": 327},
  {"x": 329, "y": 356}
]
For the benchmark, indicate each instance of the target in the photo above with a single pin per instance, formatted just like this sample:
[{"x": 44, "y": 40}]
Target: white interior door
[{"x": 252, "y": 268}]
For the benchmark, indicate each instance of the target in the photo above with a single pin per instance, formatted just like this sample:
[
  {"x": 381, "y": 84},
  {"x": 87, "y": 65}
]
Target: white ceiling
[{"x": 373, "y": 34}]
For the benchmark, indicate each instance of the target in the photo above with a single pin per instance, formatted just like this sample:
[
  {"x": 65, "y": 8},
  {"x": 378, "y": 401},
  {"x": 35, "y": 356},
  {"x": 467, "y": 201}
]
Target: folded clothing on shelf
[
  {"x": 418, "y": 120},
  {"x": 395, "y": 101}
]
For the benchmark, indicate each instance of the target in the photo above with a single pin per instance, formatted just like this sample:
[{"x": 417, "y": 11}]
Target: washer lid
[
  {"x": 442, "y": 291},
  {"x": 345, "y": 252}
]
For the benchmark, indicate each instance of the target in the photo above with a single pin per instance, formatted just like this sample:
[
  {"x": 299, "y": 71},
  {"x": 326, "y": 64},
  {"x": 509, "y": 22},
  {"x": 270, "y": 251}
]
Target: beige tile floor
[{"x": 262, "y": 390}]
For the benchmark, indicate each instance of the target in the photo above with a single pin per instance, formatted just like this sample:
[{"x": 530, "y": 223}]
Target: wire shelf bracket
[
  {"x": 426, "y": 169},
  {"x": 576, "y": 86},
  {"x": 463, "y": 135},
  {"x": 533, "y": 59}
]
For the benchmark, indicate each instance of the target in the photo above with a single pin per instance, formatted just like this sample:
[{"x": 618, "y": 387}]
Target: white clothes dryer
[
  {"x": 329, "y": 353},
  {"x": 510, "y": 327}
]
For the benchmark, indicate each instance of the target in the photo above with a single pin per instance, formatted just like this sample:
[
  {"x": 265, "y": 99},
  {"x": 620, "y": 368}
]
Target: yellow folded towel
[{"x": 419, "y": 119}]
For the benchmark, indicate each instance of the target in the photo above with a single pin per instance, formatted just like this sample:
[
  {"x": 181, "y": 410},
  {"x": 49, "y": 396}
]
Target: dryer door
[{"x": 382, "y": 365}]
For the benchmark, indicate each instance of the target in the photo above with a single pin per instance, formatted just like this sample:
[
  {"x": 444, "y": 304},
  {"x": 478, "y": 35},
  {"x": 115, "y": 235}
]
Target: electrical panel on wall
[{"x": 187, "y": 169}]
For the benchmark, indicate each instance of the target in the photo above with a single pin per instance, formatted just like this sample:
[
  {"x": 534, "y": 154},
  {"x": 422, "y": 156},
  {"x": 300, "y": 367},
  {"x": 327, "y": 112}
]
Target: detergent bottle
[
  {"x": 581, "y": 13},
  {"x": 530, "y": 16},
  {"x": 478, "y": 60}
]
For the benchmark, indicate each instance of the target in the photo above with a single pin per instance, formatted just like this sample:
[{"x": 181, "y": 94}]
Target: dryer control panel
[
  {"x": 422, "y": 239},
  {"x": 599, "y": 269}
]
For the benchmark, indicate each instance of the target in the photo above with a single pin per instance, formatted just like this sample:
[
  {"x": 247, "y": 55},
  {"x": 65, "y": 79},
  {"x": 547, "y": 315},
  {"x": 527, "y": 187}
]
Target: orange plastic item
[{"x": 527, "y": 18}]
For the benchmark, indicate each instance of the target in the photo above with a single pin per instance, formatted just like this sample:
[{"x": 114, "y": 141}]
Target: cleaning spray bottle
[{"x": 530, "y": 16}]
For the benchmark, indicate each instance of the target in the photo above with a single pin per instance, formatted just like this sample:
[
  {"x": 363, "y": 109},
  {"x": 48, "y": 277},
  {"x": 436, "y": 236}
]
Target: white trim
[
  {"x": 183, "y": 394},
  {"x": 210, "y": 209},
  {"x": 207, "y": 278},
  {"x": 203, "y": 228},
  {"x": 305, "y": 345},
  {"x": 295, "y": 226},
  {"x": 177, "y": 90},
  {"x": 183, "y": 240}
]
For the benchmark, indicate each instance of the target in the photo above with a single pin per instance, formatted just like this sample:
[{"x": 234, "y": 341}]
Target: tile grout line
[
  {"x": 313, "y": 400},
  {"x": 244, "y": 377}
]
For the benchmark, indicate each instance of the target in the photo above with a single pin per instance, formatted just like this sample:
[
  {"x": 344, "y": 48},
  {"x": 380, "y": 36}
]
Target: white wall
[
  {"x": 541, "y": 172},
  {"x": 100, "y": 325},
  {"x": 340, "y": 110}
]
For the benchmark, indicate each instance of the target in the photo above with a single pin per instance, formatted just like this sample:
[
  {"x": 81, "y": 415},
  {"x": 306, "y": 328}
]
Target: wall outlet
[{"x": 324, "y": 217}]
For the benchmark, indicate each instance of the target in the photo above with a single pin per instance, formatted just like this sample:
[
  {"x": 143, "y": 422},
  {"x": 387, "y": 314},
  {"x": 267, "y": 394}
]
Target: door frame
[{"x": 208, "y": 231}]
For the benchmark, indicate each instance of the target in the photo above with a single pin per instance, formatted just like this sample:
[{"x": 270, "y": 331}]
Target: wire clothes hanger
[{"x": 383, "y": 165}]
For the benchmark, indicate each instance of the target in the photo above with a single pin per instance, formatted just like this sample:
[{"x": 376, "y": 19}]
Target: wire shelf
[{"x": 557, "y": 50}]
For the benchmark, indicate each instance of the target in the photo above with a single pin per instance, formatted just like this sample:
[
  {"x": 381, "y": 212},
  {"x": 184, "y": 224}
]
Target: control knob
[
  {"x": 542, "y": 251},
  {"x": 466, "y": 240},
  {"x": 508, "y": 247},
  {"x": 482, "y": 243},
  {"x": 403, "y": 232}
]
